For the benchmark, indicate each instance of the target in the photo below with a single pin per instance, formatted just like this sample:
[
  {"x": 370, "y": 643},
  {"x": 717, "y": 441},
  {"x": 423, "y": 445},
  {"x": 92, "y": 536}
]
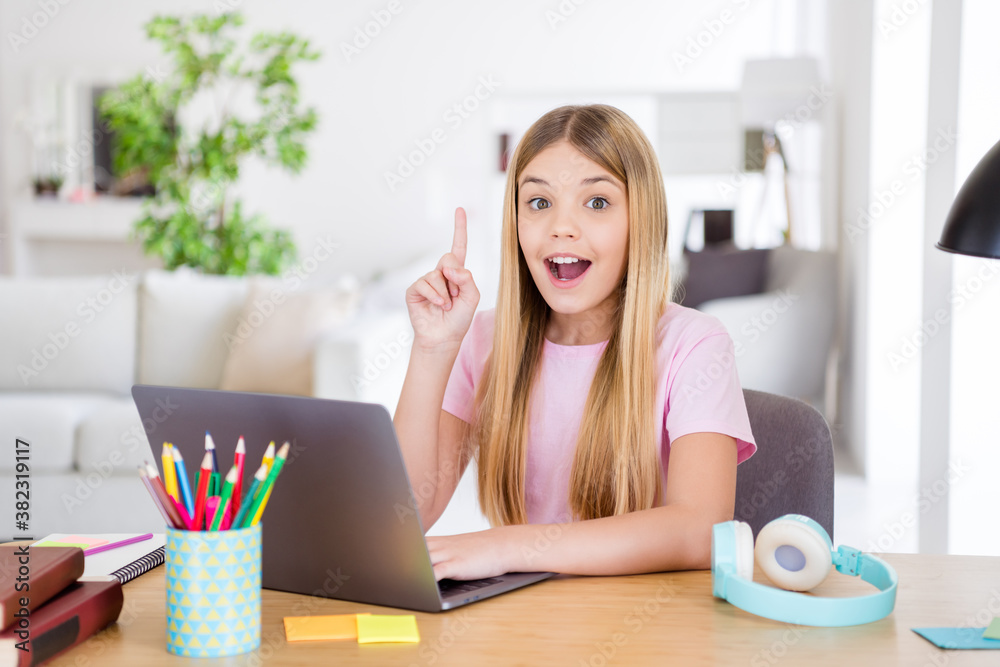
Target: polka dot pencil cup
[{"x": 213, "y": 591}]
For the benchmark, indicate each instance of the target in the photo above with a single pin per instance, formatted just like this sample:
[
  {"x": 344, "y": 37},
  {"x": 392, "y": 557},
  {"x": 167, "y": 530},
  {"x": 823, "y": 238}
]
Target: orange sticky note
[
  {"x": 375, "y": 628},
  {"x": 313, "y": 628}
]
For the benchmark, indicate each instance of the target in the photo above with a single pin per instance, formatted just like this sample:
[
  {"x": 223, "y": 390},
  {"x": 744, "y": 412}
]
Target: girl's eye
[
  {"x": 603, "y": 203},
  {"x": 540, "y": 202}
]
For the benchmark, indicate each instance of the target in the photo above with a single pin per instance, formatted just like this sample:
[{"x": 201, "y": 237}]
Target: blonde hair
[{"x": 617, "y": 465}]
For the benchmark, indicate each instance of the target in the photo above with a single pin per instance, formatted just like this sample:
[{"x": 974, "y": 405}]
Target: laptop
[{"x": 341, "y": 522}]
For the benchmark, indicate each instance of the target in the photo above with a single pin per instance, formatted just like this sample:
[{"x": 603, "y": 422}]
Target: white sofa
[{"x": 71, "y": 349}]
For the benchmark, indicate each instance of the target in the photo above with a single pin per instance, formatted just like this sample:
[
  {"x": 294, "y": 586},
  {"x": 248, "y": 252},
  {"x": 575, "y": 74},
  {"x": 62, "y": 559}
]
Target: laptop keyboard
[{"x": 453, "y": 587}]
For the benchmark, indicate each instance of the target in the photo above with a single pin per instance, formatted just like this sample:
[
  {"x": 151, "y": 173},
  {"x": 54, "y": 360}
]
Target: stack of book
[{"x": 45, "y": 608}]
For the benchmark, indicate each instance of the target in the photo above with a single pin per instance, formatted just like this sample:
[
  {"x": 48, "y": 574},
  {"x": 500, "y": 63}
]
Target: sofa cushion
[
  {"x": 68, "y": 333},
  {"x": 111, "y": 441},
  {"x": 184, "y": 319},
  {"x": 49, "y": 423},
  {"x": 272, "y": 348}
]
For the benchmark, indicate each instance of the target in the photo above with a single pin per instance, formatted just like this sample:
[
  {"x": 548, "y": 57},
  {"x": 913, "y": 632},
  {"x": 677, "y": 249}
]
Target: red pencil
[
  {"x": 202, "y": 493},
  {"x": 234, "y": 504}
]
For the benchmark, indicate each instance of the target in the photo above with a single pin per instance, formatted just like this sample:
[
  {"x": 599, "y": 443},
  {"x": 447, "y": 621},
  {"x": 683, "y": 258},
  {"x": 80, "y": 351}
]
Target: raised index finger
[{"x": 460, "y": 240}]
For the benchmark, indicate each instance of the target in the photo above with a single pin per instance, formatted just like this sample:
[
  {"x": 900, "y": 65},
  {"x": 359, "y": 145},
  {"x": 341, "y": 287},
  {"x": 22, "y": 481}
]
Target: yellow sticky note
[
  {"x": 992, "y": 631},
  {"x": 312, "y": 628},
  {"x": 375, "y": 628}
]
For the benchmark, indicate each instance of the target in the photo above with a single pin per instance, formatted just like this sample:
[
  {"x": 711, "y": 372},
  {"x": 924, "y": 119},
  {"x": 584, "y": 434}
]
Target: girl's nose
[{"x": 563, "y": 226}]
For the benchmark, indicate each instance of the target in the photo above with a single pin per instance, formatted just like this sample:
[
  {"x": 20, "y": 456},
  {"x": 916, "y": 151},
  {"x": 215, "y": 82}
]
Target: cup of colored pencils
[
  {"x": 213, "y": 550},
  {"x": 212, "y": 504}
]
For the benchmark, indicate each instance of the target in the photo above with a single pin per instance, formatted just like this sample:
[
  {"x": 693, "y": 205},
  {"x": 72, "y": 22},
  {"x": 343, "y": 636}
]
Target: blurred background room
[{"x": 809, "y": 151}]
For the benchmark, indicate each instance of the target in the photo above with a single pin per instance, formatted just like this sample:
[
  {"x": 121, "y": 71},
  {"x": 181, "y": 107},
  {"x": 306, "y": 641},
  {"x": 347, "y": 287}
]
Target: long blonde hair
[{"x": 617, "y": 463}]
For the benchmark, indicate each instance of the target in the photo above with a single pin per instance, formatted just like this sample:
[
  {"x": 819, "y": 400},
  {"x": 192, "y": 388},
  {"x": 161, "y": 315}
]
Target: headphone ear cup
[{"x": 793, "y": 554}]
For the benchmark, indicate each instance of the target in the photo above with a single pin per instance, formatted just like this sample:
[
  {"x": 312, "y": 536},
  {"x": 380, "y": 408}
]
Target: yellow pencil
[
  {"x": 272, "y": 474},
  {"x": 169, "y": 471},
  {"x": 268, "y": 459}
]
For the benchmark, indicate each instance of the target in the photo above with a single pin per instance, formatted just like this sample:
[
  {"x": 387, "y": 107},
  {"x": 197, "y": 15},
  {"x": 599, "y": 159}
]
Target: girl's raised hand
[{"x": 442, "y": 303}]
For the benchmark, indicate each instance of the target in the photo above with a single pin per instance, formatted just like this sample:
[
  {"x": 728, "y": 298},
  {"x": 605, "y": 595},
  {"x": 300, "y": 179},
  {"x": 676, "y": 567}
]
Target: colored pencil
[
  {"x": 161, "y": 493},
  {"x": 268, "y": 459},
  {"x": 144, "y": 476},
  {"x": 238, "y": 461},
  {"x": 169, "y": 472},
  {"x": 265, "y": 491},
  {"x": 214, "y": 487},
  {"x": 114, "y": 545},
  {"x": 211, "y": 509},
  {"x": 224, "y": 499},
  {"x": 187, "y": 518},
  {"x": 199, "y": 507},
  {"x": 210, "y": 447},
  {"x": 182, "y": 480},
  {"x": 258, "y": 479}
]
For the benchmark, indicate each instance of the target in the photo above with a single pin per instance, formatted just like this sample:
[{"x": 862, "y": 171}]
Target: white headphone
[{"x": 796, "y": 553}]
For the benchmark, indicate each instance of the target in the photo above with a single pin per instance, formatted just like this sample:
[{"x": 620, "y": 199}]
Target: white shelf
[
  {"x": 56, "y": 237},
  {"x": 108, "y": 219}
]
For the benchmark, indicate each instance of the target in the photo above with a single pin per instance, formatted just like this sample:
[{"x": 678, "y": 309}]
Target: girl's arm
[
  {"x": 701, "y": 491},
  {"x": 441, "y": 306}
]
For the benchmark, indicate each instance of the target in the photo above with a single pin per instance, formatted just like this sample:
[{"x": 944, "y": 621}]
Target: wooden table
[{"x": 649, "y": 619}]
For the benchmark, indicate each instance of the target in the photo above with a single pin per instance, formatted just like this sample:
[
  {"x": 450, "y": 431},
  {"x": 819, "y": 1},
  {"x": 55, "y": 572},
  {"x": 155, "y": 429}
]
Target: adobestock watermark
[
  {"x": 78, "y": 155},
  {"x": 92, "y": 651},
  {"x": 899, "y": 16},
  {"x": 34, "y": 23},
  {"x": 799, "y": 456},
  {"x": 562, "y": 12},
  {"x": 711, "y": 30},
  {"x": 364, "y": 35},
  {"x": 924, "y": 500},
  {"x": 779, "y": 648},
  {"x": 605, "y": 652},
  {"x": 455, "y": 628},
  {"x": 723, "y": 362},
  {"x": 454, "y": 117},
  {"x": 913, "y": 168},
  {"x": 89, "y": 309},
  {"x": 972, "y": 626},
  {"x": 389, "y": 353},
  {"x": 911, "y": 344},
  {"x": 784, "y": 129},
  {"x": 133, "y": 439},
  {"x": 292, "y": 279},
  {"x": 426, "y": 491}
]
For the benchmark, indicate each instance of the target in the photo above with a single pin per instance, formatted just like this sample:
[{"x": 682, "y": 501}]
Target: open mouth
[{"x": 567, "y": 268}]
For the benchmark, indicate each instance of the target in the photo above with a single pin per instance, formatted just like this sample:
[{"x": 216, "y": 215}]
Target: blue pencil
[{"x": 182, "y": 482}]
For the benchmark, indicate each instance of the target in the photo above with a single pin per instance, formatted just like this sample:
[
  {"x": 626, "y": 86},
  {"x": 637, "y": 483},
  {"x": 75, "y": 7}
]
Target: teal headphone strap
[{"x": 791, "y": 607}]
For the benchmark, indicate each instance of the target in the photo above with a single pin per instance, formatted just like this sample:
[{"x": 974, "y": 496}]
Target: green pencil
[
  {"x": 227, "y": 494},
  {"x": 258, "y": 479},
  {"x": 265, "y": 489}
]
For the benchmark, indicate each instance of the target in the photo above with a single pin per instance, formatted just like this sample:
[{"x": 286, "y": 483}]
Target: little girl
[{"x": 607, "y": 421}]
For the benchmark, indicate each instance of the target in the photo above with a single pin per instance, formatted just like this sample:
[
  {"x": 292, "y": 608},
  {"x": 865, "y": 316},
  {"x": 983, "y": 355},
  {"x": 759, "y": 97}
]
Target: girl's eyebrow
[{"x": 586, "y": 181}]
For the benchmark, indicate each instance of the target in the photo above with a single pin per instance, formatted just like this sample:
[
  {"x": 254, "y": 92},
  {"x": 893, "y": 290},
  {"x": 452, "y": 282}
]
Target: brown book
[
  {"x": 82, "y": 610},
  {"x": 31, "y": 576}
]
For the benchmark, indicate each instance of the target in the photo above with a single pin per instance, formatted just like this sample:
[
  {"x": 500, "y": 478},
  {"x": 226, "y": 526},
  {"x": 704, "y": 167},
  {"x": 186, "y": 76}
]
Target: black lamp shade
[{"x": 973, "y": 224}]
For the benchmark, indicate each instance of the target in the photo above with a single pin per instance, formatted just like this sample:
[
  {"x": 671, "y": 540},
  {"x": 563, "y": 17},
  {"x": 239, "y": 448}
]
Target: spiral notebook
[{"x": 123, "y": 563}]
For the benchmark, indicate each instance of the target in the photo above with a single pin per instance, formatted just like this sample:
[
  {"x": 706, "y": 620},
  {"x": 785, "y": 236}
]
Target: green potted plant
[{"x": 192, "y": 162}]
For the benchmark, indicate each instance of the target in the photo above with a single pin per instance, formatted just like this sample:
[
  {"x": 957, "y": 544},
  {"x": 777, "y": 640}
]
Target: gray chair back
[{"x": 792, "y": 470}]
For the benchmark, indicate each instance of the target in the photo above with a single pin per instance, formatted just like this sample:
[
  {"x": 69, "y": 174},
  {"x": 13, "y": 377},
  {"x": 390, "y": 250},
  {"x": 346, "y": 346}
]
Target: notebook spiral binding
[{"x": 141, "y": 566}]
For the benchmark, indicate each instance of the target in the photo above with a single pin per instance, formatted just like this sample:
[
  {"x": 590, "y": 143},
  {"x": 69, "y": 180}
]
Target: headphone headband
[{"x": 791, "y": 607}]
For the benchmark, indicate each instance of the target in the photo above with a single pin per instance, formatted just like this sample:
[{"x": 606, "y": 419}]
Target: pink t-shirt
[{"x": 698, "y": 391}]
